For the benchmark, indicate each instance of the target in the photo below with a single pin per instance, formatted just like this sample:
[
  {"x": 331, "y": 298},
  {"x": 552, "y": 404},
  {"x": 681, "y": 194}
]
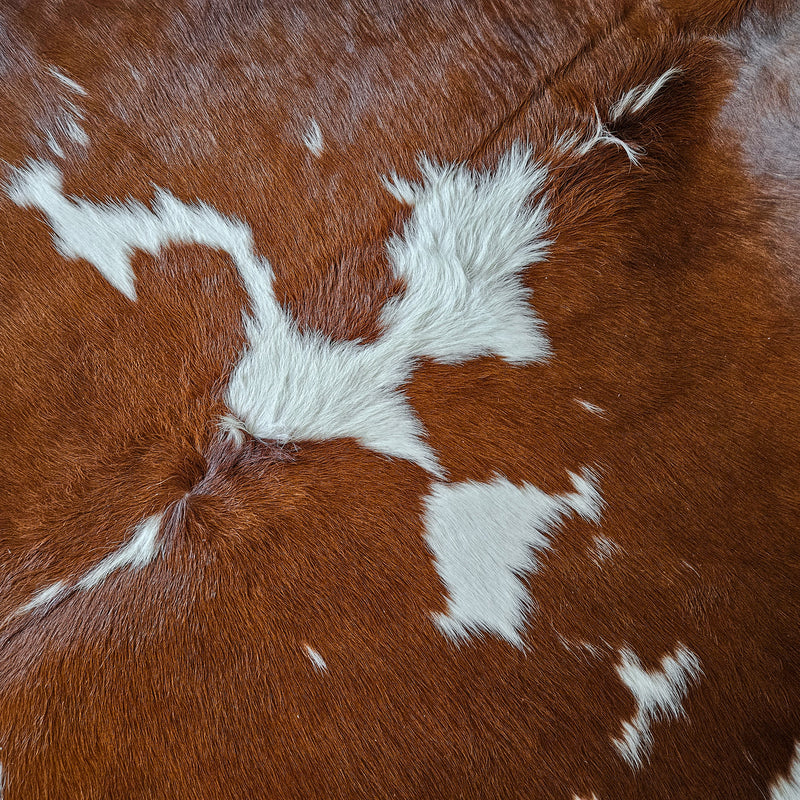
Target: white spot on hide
[
  {"x": 638, "y": 97},
  {"x": 658, "y": 696},
  {"x": 591, "y": 407},
  {"x": 312, "y": 138},
  {"x": 603, "y": 549},
  {"x": 44, "y": 597},
  {"x": 68, "y": 82},
  {"x": 788, "y": 788},
  {"x": 137, "y": 553},
  {"x": 316, "y": 659},
  {"x": 461, "y": 254},
  {"x": 106, "y": 235},
  {"x": 484, "y": 538},
  {"x": 602, "y": 135}
]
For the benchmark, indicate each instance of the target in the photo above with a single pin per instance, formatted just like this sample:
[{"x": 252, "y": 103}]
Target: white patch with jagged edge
[
  {"x": 139, "y": 551},
  {"x": 68, "y": 82},
  {"x": 312, "y": 138},
  {"x": 484, "y": 538},
  {"x": 658, "y": 694},
  {"x": 788, "y": 787},
  {"x": 461, "y": 254},
  {"x": 316, "y": 659}
]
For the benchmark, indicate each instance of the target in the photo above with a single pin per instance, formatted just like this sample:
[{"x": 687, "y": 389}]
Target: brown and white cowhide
[{"x": 399, "y": 400}]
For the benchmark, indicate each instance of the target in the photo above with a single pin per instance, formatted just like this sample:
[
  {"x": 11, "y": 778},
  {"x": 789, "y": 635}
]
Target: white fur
[
  {"x": 74, "y": 131},
  {"x": 637, "y": 98},
  {"x": 788, "y": 788},
  {"x": 106, "y": 235},
  {"x": 658, "y": 696},
  {"x": 591, "y": 407},
  {"x": 601, "y": 135},
  {"x": 461, "y": 254},
  {"x": 54, "y": 146},
  {"x": 68, "y": 82},
  {"x": 44, "y": 597},
  {"x": 135, "y": 554},
  {"x": 484, "y": 538},
  {"x": 316, "y": 659},
  {"x": 312, "y": 138}
]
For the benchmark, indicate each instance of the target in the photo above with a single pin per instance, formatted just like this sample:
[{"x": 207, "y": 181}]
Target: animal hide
[{"x": 399, "y": 400}]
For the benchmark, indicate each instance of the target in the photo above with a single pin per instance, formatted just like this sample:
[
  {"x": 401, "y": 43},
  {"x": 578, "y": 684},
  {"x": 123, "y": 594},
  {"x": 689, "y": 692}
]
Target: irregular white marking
[
  {"x": 75, "y": 132},
  {"x": 68, "y": 82},
  {"x": 54, "y": 146},
  {"x": 2, "y": 782},
  {"x": 638, "y": 97},
  {"x": 591, "y": 407},
  {"x": 44, "y": 597},
  {"x": 106, "y": 235},
  {"x": 788, "y": 788},
  {"x": 461, "y": 254},
  {"x": 603, "y": 549},
  {"x": 593, "y": 797},
  {"x": 658, "y": 695},
  {"x": 602, "y": 135},
  {"x": 484, "y": 538},
  {"x": 135, "y": 554},
  {"x": 312, "y": 138},
  {"x": 316, "y": 659}
]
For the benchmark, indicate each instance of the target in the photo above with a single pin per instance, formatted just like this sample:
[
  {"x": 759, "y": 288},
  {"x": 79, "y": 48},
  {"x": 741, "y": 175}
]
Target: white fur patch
[
  {"x": 788, "y": 788},
  {"x": 312, "y": 138},
  {"x": 637, "y": 98},
  {"x": 658, "y": 695},
  {"x": 461, "y": 254},
  {"x": 107, "y": 234},
  {"x": 135, "y": 554},
  {"x": 484, "y": 538},
  {"x": 44, "y": 597},
  {"x": 591, "y": 407},
  {"x": 68, "y": 82},
  {"x": 316, "y": 659},
  {"x": 138, "y": 552}
]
